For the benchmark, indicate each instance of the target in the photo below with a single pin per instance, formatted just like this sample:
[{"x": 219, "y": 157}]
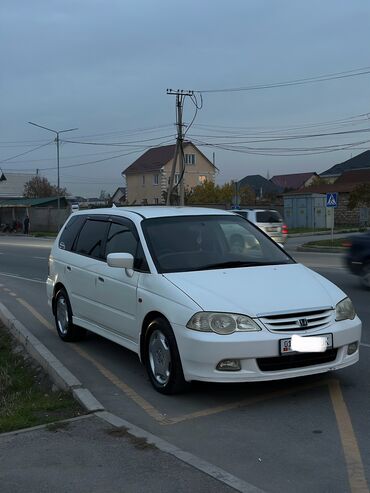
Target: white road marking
[
  {"x": 364, "y": 344},
  {"x": 21, "y": 277},
  {"x": 41, "y": 258}
]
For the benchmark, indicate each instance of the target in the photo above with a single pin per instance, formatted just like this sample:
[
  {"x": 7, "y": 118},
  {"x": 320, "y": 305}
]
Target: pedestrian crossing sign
[{"x": 332, "y": 199}]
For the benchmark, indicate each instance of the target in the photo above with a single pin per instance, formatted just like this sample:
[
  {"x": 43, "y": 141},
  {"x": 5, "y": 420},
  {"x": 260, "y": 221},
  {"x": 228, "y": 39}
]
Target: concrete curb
[{"x": 65, "y": 380}]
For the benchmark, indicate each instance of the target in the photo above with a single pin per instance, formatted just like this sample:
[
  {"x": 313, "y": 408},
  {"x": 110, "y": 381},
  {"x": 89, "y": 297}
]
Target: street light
[{"x": 57, "y": 132}]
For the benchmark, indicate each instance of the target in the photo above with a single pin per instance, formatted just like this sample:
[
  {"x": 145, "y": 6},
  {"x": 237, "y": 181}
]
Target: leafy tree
[
  {"x": 206, "y": 193},
  {"x": 39, "y": 186},
  {"x": 247, "y": 195},
  {"x": 360, "y": 196},
  {"x": 210, "y": 193}
]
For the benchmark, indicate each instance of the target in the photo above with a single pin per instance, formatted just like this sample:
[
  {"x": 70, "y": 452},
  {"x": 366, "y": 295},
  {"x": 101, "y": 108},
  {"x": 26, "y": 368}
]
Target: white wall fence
[{"x": 45, "y": 219}]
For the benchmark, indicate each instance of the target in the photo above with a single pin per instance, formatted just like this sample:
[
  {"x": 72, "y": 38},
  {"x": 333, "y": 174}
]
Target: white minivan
[{"x": 174, "y": 285}]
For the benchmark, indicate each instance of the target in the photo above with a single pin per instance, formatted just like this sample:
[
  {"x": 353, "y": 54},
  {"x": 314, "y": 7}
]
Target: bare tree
[{"x": 38, "y": 187}]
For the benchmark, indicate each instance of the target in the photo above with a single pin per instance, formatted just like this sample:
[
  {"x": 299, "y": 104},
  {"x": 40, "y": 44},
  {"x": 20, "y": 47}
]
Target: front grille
[
  {"x": 300, "y": 360},
  {"x": 293, "y": 322}
]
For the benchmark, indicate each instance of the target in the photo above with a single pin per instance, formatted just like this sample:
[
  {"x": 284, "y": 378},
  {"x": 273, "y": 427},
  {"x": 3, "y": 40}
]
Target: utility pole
[
  {"x": 57, "y": 132},
  {"x": 180, "y": 96}
]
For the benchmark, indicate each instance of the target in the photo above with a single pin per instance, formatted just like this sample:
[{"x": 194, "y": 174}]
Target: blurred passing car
[
  {"x": 270, "y": 221},
  {"x": 358, "y": 256}
]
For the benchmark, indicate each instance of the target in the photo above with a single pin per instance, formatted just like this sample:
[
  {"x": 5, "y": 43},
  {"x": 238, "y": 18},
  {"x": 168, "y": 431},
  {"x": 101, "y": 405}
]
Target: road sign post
[{"x": 332, "y": 202}]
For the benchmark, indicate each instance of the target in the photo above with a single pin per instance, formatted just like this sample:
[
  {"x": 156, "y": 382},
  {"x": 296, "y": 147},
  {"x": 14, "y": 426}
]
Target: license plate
[
  {"x": 285, "y": 344},
  {"x": 272, "y": 230}
]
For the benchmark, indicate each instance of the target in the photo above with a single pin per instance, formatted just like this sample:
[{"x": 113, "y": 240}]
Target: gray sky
[{"x": 104, "y": 65}]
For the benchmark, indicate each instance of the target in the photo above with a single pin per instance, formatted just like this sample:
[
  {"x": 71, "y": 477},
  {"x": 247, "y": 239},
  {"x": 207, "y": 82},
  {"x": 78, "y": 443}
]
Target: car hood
[{"x": 257, "y": 291}]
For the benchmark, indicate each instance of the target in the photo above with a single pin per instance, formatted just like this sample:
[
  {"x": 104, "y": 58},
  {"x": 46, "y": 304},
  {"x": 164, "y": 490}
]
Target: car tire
[
  {"x": 67, "y": 331},
  {"x": 365, "y": 275},
  {"x": 162, "y": 359}
]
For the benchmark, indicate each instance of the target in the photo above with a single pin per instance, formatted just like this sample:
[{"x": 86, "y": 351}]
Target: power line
[
  {"x": 282, "y": 138},
  {"x": 119, "y": 144},
  {"x": 295, "y": 82},
  {"x": 282, "y": 151},
  {"x": 352, "y": 121},
  {"x": 26, "y": 152},
  {"x": 76, "y": 165}
]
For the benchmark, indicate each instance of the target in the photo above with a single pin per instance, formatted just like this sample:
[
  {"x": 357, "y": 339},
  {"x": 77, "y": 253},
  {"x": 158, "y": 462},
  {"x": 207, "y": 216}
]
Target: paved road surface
[{"x": 293, "y": 435}]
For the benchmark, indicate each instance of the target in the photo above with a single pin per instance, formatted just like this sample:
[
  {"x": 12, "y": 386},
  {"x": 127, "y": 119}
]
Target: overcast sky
[{"x": 104, "y": 65}]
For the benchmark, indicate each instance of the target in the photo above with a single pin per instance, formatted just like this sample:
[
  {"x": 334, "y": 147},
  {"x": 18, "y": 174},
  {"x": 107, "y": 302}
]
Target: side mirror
[{"x": 121, "y": 260}]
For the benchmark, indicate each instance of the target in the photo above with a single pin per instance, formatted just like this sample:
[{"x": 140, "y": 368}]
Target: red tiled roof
[
  {"x": 292, "y": 181},
  {"x": 327, "y": 188},
  {"x": 355, "y": 176},
  {"x": 152, "y": 160},
  {"x": 345, "y": 183}
]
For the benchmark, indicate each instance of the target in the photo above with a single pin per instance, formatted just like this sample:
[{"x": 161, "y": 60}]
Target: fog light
[
  {"x": 352, "y": 348},
  {"x": 229, "y": 365}
]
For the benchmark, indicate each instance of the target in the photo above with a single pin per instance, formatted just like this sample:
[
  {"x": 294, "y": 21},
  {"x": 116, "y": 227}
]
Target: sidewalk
[
  {"x": 87, "y": 454},
  {"x": 99, "y": 452}
]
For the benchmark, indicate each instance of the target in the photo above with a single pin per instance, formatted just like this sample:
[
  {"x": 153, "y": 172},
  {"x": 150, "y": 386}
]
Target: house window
[
  {"x": 202, "y": 178},
  {"x": 177, "y": 178},
  {"x": 155, "y": 179},
  {"x": 156, "y": 201},
  {"x": 189, "y": 158},
  {"x": 143, "y": 180}
]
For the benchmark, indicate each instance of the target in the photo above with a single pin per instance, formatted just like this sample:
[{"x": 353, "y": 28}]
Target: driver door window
[{"x": 122, "y": 239}]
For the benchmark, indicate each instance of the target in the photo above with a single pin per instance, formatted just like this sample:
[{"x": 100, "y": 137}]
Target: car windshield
[
  {"x": 268, "y": 217},
  {"x": 191, "y": 243}
]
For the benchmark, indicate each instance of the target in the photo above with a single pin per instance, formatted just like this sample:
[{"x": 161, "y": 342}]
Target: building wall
[
  {"x": 309, "y": 181},
  {"x": 345, "y": 216},
  {"x": 147, "y": 192},
  {"x": 139, "y": 192}
]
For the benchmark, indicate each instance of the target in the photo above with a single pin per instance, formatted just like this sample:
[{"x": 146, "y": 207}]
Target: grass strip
[
  {"x": 27, "y": 396},
  {"x": 337, "y": 242}
]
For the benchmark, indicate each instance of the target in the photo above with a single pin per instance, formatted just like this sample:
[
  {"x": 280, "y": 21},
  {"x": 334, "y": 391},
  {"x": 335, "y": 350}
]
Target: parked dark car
[{"x": 358, "y": 256}]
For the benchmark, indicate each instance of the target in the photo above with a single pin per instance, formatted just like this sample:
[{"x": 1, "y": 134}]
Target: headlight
[
  {"x": 344, "y": 310},
  {"x": 221, "y": 323}
]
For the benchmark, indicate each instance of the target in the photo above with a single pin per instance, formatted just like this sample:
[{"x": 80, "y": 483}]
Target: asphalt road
[{"x": 300, "y": 435}]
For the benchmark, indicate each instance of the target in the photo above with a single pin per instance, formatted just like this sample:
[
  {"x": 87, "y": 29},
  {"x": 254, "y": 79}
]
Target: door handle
[
  {"x": 101, "y": 279},
  {"x": 68, "y": 268}
]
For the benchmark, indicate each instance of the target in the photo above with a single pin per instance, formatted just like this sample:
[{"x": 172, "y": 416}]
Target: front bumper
[{"x": 200, "y": 353}]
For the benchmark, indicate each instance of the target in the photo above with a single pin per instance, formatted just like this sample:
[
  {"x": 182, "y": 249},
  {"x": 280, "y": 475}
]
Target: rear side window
[
  {"x": 268, "y": 217},
  {"x": 91, "y": 238},
  {"x": 243, "y": 214},
  {"x": 70, "y": 232}
]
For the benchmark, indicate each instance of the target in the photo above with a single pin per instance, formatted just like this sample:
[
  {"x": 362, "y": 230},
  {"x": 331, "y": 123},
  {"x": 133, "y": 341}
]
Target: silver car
[{"x": 270, "y": 221}]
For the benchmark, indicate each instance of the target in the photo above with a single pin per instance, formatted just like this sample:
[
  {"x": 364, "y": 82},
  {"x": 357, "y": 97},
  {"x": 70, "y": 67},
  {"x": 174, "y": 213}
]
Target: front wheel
[
  {"x": 162, "y": 359},
  {"x": 67, "y": 331}
]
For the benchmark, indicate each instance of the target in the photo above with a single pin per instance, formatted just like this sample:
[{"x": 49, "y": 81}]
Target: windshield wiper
[{"x": 235, "y": 263}]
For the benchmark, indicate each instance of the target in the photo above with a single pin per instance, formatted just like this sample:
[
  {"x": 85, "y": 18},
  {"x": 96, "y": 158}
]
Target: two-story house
[{"x": 148, "y": 177}]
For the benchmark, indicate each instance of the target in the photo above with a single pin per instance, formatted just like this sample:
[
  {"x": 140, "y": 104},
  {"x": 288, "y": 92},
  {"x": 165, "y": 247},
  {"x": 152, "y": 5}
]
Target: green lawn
[{"x": 26, "y": 396}]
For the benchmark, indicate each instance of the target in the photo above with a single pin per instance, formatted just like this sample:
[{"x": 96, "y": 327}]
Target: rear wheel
[
  {"x": 67, "y": 331},
  {"x": 162, "y": 359}
]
